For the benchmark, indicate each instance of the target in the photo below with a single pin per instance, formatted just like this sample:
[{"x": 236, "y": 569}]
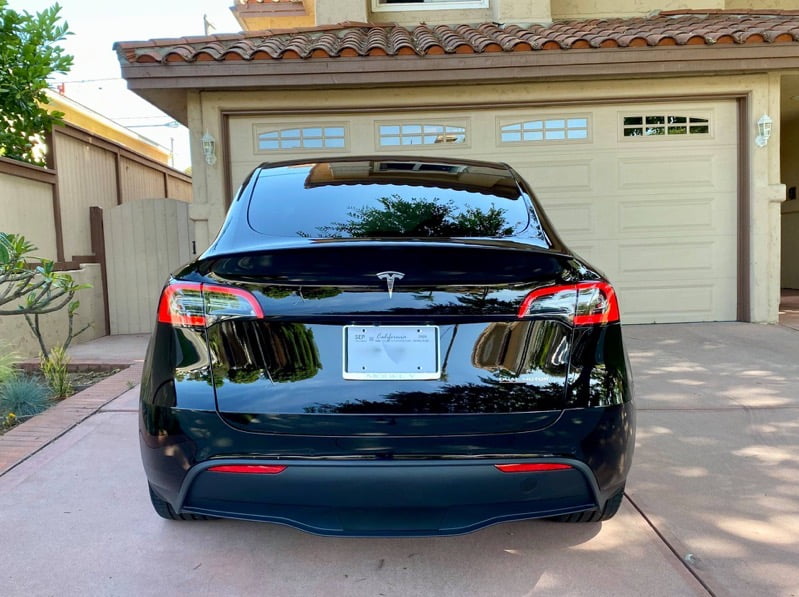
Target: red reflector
[
  {"x": 532, "y": 467},
  {"x": 248, "y": 469}
]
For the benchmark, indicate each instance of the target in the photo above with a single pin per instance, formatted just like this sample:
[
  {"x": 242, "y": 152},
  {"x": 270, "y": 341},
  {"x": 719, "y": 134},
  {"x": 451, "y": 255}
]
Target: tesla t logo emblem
[{"x": 389, "y": 277}]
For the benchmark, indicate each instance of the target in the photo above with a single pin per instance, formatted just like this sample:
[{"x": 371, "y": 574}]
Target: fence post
[{"x": 98, "y": 248}]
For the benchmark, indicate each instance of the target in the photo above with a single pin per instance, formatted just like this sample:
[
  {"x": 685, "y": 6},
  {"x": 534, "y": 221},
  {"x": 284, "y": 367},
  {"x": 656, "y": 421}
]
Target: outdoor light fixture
[
  {"x": 209, "y": 148},
  {"x": 763, "y": 130}
]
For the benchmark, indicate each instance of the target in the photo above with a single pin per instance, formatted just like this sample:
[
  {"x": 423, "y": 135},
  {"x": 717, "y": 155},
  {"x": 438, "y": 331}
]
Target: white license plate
[{"x": 391, "y": 352}]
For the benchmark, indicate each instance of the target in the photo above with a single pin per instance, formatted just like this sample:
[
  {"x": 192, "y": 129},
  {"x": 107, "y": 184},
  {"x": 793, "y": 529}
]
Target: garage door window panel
[
  {"x": 298, "y": 138},
  {"x": 665, "y": 125},
  {"x": 538, "y": 130},
  {"x": 408, "y": 135}
]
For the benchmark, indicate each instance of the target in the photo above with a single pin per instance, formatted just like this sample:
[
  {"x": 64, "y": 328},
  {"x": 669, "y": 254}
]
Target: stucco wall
[
  {"x": 590, "y": 9},
  {"x": 15, "y": 332},
  {"x": 762, "y": 4},
  {"x": 763, "y": 92}
]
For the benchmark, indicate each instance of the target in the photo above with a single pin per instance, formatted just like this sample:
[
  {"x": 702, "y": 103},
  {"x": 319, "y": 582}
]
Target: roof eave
[
  {"x": 165, "y": 84},
  {"x": 387, "y": 71}
]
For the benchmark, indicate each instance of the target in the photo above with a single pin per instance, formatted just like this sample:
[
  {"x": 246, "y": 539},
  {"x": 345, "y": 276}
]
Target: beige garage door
[{"x": 645, "y": 192}]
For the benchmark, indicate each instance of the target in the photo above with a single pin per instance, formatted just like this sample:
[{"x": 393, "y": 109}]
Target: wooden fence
[{"x": 51, "y": 206}]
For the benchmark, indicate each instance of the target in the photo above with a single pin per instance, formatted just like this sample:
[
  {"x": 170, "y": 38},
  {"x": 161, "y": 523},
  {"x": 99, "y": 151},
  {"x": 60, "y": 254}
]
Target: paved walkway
[
  {"x": 711, "y": 506},
  {"x": 23, "y": 440}
]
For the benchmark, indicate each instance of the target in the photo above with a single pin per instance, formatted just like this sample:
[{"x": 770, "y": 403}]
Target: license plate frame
[{"x": 391, "y": 352}]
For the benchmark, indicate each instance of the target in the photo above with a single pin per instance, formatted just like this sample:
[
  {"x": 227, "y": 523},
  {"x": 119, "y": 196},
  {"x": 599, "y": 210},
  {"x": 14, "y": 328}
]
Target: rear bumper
[
  {"x": 384, "y": 485},
  {"x": 388, "y": 498}
]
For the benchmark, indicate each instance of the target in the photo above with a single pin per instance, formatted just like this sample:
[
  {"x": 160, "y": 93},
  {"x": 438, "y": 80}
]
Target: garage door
[{"x": 645, "y": 192}]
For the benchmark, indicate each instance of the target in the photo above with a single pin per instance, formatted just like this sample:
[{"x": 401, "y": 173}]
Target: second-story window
[{"x": 378, "y": 5}]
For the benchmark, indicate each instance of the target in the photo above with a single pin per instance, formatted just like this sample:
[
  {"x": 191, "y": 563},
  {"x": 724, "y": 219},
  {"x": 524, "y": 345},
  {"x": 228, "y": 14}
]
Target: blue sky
[{"x": 95, "y": 81}]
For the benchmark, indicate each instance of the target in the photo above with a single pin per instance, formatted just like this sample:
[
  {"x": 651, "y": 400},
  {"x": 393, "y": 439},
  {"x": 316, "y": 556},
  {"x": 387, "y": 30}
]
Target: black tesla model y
[{"x": 387, "y": 346}]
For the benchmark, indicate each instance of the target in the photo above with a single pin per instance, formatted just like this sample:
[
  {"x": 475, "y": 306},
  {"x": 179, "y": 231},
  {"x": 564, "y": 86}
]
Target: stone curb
[{"x": 24, "y": 440}]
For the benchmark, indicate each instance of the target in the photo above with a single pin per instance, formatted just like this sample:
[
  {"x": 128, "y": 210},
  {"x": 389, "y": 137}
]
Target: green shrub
[
  {"x": 23, "y": 397},
  {"x": 7, "y": 360},
  {"x": 54, "y": 369}
]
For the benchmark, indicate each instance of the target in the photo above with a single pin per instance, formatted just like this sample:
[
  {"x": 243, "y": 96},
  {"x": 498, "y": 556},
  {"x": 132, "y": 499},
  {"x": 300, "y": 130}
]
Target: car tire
[
  {"x": 609, "y": 511},
  {"x": 165, "y": 510}
]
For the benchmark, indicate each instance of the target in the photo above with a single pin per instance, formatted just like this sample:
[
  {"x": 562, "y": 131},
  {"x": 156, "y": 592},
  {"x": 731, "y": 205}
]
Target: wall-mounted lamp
[
  {"x": 763, "y": 130},
  {"x": 209, "y": 149}
]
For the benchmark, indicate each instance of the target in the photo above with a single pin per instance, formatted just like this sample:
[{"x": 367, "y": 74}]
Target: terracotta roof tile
[{"x": 345, "y": 40}]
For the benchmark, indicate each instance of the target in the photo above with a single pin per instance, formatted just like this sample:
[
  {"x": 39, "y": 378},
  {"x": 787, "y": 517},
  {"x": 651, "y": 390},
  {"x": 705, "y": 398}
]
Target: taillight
[
  {"x": 196, "y": 304},
  {"x": 586, "y": 303},
  {"x": 532, "y": 467},
  {"x": 248, "y": 469}
]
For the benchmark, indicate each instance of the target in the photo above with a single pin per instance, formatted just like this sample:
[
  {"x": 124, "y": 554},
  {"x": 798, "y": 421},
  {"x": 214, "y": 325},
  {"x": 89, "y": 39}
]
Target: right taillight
[
  {"x": 586, "y": 303},
  {"x": 195, "y": 304}
]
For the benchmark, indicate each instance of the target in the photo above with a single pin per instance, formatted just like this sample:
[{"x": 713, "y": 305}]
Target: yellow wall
[
  {"x": 269, "y": 21},
  {"x": 84, "y": 119}
]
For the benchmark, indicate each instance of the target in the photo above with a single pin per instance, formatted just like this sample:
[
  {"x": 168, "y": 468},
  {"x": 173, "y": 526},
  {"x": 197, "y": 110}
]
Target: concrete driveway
[{"x": 712, "y": 507}]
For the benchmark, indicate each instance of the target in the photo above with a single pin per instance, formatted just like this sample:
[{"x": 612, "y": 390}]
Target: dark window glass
[{"x": 405, "y": 199}]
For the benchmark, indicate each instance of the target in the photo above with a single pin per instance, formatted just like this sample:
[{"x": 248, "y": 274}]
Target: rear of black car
[{"x": 387, "y": 346}]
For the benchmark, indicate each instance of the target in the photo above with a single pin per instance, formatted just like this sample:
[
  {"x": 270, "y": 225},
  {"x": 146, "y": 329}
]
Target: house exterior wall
[
  {"x": 592, "y": 9},
  {"x": 760, "y": 4},
  {"x": 267, "y": 15},
  {"x": 321, "y": 12},
  {"x": 338, "y": 11},
  {"x": 504, "y": 11},
  {"x": 762, "y": 176},
  {"x": 521, "y": 11}
]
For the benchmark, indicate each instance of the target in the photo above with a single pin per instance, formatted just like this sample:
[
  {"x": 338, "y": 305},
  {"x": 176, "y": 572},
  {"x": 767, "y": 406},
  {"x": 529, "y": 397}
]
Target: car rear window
[{"x": 372, "y": 198}]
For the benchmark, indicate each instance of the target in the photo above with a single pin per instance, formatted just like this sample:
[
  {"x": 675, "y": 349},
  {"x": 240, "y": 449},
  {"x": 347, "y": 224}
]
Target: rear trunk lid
[{"x": 398, "y": 339}]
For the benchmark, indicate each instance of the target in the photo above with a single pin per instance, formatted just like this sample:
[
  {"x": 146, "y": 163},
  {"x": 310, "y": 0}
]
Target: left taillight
[
  {"x": 191, "y": 304},
  {"x": 586, "y": 303}
]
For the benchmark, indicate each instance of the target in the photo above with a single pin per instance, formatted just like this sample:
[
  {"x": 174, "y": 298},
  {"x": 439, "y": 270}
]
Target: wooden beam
[{"x": 98, "y": 248}]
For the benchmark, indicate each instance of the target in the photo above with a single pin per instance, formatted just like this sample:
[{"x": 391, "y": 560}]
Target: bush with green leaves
[
  {"x": 54, "y": 369},
  {"x": 23, "y": 397},
  {"x": 29, "y": 54}
]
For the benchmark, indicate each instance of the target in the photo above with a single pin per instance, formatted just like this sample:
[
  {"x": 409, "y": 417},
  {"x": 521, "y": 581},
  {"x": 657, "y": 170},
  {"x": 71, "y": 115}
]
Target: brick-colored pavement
[{"x": 31, "y": 436}]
